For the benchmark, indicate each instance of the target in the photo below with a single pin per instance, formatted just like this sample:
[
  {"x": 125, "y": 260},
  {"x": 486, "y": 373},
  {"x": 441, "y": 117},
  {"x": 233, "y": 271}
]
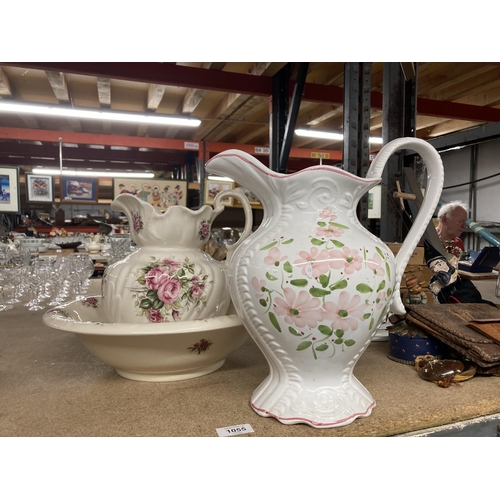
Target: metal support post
[
  {"x": 356, "y": 129},
  {"x": 392, "y": 128},
  {"x": 292, "y": 116},
  {"x": 278, "y": 116}
]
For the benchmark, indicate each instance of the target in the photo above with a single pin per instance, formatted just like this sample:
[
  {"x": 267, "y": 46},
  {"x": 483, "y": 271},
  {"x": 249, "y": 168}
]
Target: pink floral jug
[
  {"x": 169, "y": 278},
  {"x": 312, "y": 285}
]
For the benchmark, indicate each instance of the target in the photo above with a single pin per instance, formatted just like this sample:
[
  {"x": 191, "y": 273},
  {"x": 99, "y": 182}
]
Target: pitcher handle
[
  {"x": 435, "y": 179},
  {"x": 247, "y": 209}
]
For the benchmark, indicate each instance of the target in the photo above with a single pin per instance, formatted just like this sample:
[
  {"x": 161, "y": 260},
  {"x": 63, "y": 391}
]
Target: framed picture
[
  {"x": 79, "y": 189},
  {"x": 159, "y": 192},
  {"x": 9, "y": 189},
  {"x": 39, "y": 188},
  {"x": 214, "y": 187},
  {"x": 254, "y": 201}
]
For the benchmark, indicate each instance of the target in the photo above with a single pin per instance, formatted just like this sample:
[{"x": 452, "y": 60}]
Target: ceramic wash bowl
[{"x": 155, "y": 352}]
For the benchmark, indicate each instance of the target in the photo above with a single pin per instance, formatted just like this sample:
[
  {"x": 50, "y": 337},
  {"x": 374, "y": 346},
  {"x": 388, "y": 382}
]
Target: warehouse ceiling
[{"x": 232, "y": 100}]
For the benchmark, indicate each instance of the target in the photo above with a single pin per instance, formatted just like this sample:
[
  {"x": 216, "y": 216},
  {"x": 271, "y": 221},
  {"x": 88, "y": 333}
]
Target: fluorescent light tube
[
  {"x": 92, "y": 173},
  {"x": 318, "y": 134},
  {"x": 99, "y": 115}
]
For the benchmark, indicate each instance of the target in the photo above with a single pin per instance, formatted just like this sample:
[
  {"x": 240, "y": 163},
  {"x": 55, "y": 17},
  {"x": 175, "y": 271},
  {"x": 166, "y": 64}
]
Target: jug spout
[{"x": 245, "y": 170}]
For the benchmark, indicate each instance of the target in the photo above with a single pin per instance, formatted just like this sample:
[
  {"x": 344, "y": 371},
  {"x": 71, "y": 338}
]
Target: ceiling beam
[
  {"x": 212, "y": 79},
  {"x": 59, "y": 86},
  {"x": 51, "y": 150},
  {"x": 138, "y": 142},
  {"x": 24, "y": 134},
  {"x": 104, "y": 92},
  {"x": 5, "y": 87},
  {"x": 164, "y": 73}
]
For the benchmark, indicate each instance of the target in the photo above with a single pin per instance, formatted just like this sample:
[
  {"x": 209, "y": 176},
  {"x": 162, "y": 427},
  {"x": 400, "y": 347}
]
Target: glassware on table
[
  {"x": 120, "y": 247},
  {"x": 6, "y": 273},
  {"x": 37, "y": 275},
  {"x": 18, "y": 263}
]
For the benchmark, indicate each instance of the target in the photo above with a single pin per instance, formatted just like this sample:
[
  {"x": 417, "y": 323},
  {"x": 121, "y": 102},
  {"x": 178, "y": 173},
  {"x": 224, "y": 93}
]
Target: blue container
[{"x": 406, "y": 342}]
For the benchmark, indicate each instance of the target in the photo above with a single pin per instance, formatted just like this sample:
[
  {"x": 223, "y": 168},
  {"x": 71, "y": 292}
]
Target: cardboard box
[
  {"x": 417, "y": 257},
  {"x": 422, "y": 272}
]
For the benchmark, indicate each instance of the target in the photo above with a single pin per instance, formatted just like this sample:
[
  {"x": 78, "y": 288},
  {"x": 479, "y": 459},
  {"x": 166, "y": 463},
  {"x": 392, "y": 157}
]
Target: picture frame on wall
[
  {"x": 161, "y": 193},
  {"x": 252, "y": 199},
  {"x": 39, "y": 188},
  {"x": 79, "y": 189},
  {"x": 9, "y": 190},
  {"x": 214, "y": 187}
]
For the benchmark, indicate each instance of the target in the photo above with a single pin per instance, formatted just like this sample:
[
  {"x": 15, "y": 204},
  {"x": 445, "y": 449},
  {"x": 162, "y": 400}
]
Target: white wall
[{"x": 457, "y": 171}]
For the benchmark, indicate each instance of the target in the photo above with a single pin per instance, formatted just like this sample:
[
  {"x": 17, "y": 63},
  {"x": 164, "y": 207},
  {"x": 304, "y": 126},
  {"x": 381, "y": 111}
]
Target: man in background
[{"x": 452, "y": 222}]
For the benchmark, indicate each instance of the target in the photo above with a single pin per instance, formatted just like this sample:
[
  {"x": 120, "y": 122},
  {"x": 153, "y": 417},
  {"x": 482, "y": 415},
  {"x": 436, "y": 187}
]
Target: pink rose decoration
[
  {"x": 173, "y": 265},
  {"x": 196, "y": 292},
  {"x": 169, "y": 290},
  {"x": 204, "y": 230},
  {"x": 154, "y": 277},
  {"x": 155, "y": 316}
]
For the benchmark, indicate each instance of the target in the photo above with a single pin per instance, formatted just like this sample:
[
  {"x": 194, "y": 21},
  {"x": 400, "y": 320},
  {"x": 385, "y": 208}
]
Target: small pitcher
[{"x": 169, "y": 278}]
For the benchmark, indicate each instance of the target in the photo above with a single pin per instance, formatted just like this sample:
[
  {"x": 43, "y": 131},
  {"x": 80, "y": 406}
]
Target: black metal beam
[
  {"x": 468, "y": 137},
  {"x": 278, "y": 116},
  {"x": 356, "y": 129},
  {"x": 392, "y": 128},
  {"x": 292, "y": 116}
]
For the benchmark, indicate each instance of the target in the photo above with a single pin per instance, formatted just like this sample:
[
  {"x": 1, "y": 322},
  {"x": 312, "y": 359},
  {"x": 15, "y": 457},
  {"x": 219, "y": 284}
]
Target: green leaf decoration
[
  {"x": 388, "y": 270},
  {"x": 321, "y": 224},
  {"x": 319, "y": 292},
  {"x": 338, "y": 341},
  {"x": 362, "y": 288},
  {"x": 381, "y": 286},
  {"x": 325, "y": 330},
  {"x": 271, "y": 245},
  {"x": 317, "y": 242},
  {"x": 380, "y": 252},
  {"x": 294, "y": 332},
  {"x": 157, "y": 304},
  {"x": 304, "y": 345},
  {"x": 270, "y": 277},
  {"x": 262, "y": 302},
  {"x": 366, "y": 316},
  {"x": 339, "y": 333},
  {"x": 389, "y": 292},
  {"x": 324, "y": 280},
  {"x": 300, "y": 282},
  {"x": 287, "y": 242},
  {"x": 288, "y": 267},
  {"x": 152, "y": 294},
  {"x": 141, "y": 281},
  {"x": 145, "y": 304},
  {"x": 382, "y": 314},
  {"x": 340, "y": 226},
  {"x": 349, "y": 342},
  {"x": 340, "y": 285},
  {"x": 371, "y": 323},
  {"x": 274, "y": 321},
  {"x": 322, "y": 347},
  {"x": 337, "y": 243}
]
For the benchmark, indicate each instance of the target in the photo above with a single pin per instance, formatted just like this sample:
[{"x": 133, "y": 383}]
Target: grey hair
[{"x": 447, "y": 208}]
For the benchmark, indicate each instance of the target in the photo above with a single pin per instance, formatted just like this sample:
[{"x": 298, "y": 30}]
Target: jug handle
[
  {"x": 435, "y": 179},
  {"x": 247, "y": 209}
]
